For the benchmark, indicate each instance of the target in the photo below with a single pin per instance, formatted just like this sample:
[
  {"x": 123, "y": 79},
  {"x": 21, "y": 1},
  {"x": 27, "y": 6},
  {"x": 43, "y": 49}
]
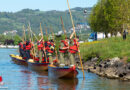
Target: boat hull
[
  {"x": 62, "y": 72},
  {"x": 18, "y": 61},
  {"x": 38, "y": 66}
]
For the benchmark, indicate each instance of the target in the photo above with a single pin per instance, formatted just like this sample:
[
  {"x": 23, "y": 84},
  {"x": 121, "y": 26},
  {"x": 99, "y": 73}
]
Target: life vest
[
  {"x": 20, "y": 45},
  {"x": 49, "y": 49},
  {"x": 74, "y": 49},
  {"x": 40, "y": 46},
  {"x": 49, "y": 46},
  {"x": 65, "y": 43},
  {"x": 55, "y": 61},
  {"x": 65, "y": 47},
  {"x": 76, "y": 43},
  {"x": 28, "y": 47},
  {"x": 43, "y": 59}
]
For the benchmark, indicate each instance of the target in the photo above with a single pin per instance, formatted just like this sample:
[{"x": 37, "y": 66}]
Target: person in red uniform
[
  {"x": 49, "y": 47},
  {"x": 21, "y": 49},
  {"x": 64, "y": 48},
  {"x": 74, "y": 49},
  {"x": 40, "y": 50},
  {"x": 27, "y": 49}
]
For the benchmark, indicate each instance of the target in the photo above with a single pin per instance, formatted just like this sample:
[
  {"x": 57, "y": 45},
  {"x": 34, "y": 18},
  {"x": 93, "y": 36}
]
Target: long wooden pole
[
  {"x": 24, "y": 34},
  {"x": 46, "y": 32},
  {"x": 76, "y": 39},
  {"x": 29, "y": 32},
  {"x": 54, "y": 43},
  {"x": 31, "y": 39},
  {"x": 43, "y": 43},
  {"x": 63, "y": 27},
  {"x": 34, "y": 35}
]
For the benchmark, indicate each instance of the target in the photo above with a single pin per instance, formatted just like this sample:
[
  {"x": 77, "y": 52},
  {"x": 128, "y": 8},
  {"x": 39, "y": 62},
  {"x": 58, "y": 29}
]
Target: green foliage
[
  {"x": 106, "y": 48},
  {"x": 17, "y": 39},
  {"x": 15, "y": 21},
  {"x": 110, "y": 16},
  {"x": 58, "y": 41}
]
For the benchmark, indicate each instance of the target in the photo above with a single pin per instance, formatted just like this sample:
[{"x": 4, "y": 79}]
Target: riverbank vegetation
[
  {"x": 9, "y": 39},
  {"x": 106, "y": 48},
  {"x": 110, "y": 16}
]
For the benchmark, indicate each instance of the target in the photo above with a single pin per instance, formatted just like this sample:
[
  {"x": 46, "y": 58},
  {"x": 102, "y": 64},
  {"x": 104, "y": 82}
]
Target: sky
[{"x": 43, "y": 5}]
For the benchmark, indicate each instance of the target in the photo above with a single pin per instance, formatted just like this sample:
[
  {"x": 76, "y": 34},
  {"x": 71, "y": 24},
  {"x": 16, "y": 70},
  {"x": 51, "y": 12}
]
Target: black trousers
[{"x": 27, "y": 54}]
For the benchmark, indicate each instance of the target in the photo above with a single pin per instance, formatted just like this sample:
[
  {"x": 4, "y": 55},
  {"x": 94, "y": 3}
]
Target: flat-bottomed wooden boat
[
  {"x": 62, "y": 72},
  {"x": 18, "y": 60},
  {"x": 37, "y": 66}
]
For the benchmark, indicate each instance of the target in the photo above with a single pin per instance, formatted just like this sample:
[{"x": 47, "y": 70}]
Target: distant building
[
  {"x": 13, "y": 32},
  {"x": 80, "y": 26}
]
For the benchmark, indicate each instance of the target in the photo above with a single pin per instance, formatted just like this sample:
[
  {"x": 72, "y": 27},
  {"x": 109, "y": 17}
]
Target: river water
[{"x": 17, "y": 77}]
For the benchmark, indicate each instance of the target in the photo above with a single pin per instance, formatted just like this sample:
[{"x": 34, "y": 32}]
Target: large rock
[{"x": 113, "y": 60}]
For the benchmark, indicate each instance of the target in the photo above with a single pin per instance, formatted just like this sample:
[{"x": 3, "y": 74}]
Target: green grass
[{"x": 106, "y": 48}]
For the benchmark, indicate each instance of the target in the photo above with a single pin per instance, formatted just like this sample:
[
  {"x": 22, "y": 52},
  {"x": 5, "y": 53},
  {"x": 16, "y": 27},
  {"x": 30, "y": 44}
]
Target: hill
[{"x": 15, "y": 21}]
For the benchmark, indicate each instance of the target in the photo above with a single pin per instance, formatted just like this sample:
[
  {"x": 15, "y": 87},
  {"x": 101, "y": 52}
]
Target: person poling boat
[
  {"x": 64, "y": 46},
  {"x": 60, "y": 70},
  {"x": 45, "y": 49}
]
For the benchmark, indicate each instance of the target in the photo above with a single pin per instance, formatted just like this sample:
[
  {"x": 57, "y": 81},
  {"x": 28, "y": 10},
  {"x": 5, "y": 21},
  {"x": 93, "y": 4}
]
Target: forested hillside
[{"x": 15, "y": 21}]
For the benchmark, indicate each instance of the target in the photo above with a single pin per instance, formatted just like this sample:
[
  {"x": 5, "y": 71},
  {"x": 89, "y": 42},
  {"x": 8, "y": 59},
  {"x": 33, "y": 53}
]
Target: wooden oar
[
  {"x": 43, "y": 42},
  {"x": 76, "y": 39}
]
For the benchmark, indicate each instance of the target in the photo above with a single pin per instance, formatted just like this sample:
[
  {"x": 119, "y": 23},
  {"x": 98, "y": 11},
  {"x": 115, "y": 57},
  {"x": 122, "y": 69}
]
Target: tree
[{"x": 109, "y": 16}]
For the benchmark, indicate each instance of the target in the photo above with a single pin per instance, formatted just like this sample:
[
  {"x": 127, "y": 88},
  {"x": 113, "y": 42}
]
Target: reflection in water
[
  {"x": 18, "y": 77},
  {"x": 64, "y": 84},
  {"x": 42, "y": 83}
]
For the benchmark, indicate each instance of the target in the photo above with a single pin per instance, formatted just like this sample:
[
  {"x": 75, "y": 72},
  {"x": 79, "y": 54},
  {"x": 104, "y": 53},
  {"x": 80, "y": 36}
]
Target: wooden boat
[
  {"x": 62, "y": 72},
  {"x": 37, "y": 66},
  {"x": 18, "y": 60}
]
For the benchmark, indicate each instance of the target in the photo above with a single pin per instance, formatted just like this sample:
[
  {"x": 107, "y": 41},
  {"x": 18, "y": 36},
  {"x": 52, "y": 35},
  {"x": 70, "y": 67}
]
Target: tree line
[{"x": 110, "y": 16}]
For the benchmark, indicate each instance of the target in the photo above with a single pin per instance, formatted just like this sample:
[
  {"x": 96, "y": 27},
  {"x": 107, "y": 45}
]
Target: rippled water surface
[{"x": 17, "y": 77}]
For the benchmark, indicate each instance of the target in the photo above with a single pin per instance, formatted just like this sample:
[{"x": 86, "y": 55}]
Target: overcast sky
[{"x": 43, "y": 5}]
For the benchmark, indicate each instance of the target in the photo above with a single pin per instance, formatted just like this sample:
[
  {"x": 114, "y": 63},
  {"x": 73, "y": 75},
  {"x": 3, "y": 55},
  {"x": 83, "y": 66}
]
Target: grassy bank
[{"x": 106, "y": 48}]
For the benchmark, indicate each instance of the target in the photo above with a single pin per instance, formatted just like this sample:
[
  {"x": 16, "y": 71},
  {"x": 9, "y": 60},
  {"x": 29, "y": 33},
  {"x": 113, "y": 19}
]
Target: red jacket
[
  {"x": 65, "y": 48},
  {"x": 49, "y": 50},
  {"x": 40, "y": 46},
  {"x": 76, "y": 43},
  {"x": 28, "y": 47},
  {"x": 74, "y": 49}
]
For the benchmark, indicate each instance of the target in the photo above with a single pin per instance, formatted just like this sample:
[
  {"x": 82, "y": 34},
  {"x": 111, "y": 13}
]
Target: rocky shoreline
[{"x": 114, "y": 68}]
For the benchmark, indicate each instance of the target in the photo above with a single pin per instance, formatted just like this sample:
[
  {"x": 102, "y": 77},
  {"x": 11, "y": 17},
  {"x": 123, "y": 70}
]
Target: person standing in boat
[
  {"x": 64, "y": 46},
  {"x": 21, "y": 49},
  {"x": 73, "y": 49},
  {"x": 49, "y": 47},
  {"x": 40, "y": 50},
  {"x": 27, "y": 49}
]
